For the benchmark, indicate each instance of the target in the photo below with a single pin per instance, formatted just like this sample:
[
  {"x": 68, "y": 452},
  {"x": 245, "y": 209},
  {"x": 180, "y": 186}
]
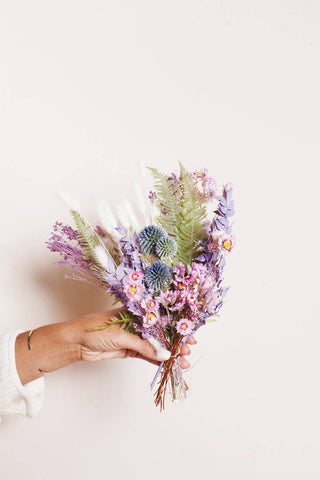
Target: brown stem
[{"x": 166, "y": 371}]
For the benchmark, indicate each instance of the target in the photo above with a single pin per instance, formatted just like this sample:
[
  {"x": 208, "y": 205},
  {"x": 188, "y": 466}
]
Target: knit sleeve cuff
[{"x": 15, "y": 398}]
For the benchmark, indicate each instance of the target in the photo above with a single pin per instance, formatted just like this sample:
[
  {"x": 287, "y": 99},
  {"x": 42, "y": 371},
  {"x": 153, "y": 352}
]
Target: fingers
[
  {"x": 134, "y": 346},
  {"x": 133, "y": 354},
  {"x": 191, "y": 340},
  {"x": 185, "y": 349},
  {"x": 144, "y": 347},
  {"x": 184, "y": 362}
]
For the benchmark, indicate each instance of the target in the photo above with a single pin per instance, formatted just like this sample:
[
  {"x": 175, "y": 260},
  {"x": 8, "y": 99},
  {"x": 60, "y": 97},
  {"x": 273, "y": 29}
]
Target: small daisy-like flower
[
  {"x": 150, "y": 319},
  {"x": 135, "y": 277},
  {"x": 227, "y": 244},
  {"x": 149, "y": 303},
  {"x": 132, "y": 290},
  {"x": 184, "y": 326}
]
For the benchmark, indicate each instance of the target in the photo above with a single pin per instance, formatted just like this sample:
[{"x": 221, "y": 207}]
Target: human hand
[{"x": 115, "y": 342}]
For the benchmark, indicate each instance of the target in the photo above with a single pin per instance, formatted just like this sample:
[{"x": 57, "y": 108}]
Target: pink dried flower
[
  {"x": 149, "y": 303},
  {"x": 180, "y": 284},
  {"x": 220, "y": 240},
  {"x": 227, "y": 243},
  {"x": 198, "y": 273},
  {"x": 135, "y": 277},
  {"x": 150, "y": 319},
  {"x": 184, "y": 326},
  {"x": 168, "y": 298},
  {"x": 133, "y": 291}
]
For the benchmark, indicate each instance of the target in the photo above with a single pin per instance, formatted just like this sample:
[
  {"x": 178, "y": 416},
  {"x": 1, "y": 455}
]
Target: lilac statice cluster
[
  {"x": 218, "y": 243},
  {"x": 65, "y": 241}
]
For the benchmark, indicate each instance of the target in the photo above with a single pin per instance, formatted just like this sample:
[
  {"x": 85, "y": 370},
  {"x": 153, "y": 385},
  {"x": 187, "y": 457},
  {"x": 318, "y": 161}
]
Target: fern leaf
[
  {"x": 183, "y": 212},
  {"x": 126, "y": 321},
  {"x": 190, "y": 220},
  {"x": 166, "y": 202},
  {"x": 89, "y": 239}
]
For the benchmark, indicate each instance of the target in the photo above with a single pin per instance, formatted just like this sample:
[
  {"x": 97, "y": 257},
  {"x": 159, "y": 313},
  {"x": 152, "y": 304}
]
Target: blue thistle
[
  {"x": 157, "y": 275},
  {"x": 166, "y": 247},
  {"x": 148, "y": 238}
]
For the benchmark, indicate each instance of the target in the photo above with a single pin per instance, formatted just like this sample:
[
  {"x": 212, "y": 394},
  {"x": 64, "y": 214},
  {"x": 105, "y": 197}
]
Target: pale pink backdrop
[{"x": 86, "y": 90}]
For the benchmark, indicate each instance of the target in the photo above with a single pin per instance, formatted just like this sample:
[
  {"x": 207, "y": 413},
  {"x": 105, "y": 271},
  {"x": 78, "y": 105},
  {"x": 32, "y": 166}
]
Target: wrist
[
  {"x": 68, "y": 339},
  {"x": 52, "y": 347}
]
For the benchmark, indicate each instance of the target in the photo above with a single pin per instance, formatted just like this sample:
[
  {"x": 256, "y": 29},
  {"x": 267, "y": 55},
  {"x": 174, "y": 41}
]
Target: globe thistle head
[
  {"x": 166, "y": 247},
  {"x": 157, "y": 275},
  {"x": 148, "y": 238}
]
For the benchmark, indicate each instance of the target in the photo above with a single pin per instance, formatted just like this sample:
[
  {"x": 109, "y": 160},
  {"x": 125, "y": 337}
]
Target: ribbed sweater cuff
[{"x": 15, "y": 398}]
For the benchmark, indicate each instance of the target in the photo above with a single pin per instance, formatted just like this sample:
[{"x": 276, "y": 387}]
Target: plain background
[{"x": 89, "y": 88}]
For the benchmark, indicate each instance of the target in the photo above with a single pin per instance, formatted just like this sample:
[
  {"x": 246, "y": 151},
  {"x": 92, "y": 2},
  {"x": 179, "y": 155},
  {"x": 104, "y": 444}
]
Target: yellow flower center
[
  {"x": 134, "y": 276},
  {"x": 150, "y": 304},
  {"x": 227, "y": 245},
  {"x": 132, "y": 289},
  {"x": 183, "y": 326},
  {"x": 181, "y": 286},
  {"x": 150, "y": 316}
]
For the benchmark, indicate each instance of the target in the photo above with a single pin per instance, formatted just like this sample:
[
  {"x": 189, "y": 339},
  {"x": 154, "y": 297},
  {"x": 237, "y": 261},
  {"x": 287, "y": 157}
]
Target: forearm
[{"x": 53, "y": 347}]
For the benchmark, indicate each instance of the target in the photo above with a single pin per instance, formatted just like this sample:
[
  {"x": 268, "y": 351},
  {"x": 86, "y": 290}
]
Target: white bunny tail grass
[
  {"x": 141, "y": 199},
  {"x": 106, "y": 217},
  {"x": 122, "y": 216},
  {"x": 71, "y": 201},
  {"x": 103, "y": 257},
  {"x": 131, "y": 214}
]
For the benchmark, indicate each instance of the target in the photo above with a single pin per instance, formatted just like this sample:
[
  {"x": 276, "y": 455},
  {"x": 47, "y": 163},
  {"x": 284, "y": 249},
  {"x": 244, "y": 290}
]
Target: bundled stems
[{"x": 168, "y": 373}]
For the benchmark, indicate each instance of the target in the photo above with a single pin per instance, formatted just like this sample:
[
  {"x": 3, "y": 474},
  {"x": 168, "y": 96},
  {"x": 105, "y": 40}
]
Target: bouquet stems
[{"x": 171, "y": 372}]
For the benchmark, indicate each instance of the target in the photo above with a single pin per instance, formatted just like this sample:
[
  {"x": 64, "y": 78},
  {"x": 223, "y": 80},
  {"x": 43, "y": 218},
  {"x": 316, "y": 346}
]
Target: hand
[{"x": 114, "y": 342}]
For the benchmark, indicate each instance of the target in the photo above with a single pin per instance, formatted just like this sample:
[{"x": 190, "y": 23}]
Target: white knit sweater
[{"x": 15, "y": 398}]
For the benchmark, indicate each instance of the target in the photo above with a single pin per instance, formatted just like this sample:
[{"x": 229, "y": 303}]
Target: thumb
[{"x": 150, "y": 348}]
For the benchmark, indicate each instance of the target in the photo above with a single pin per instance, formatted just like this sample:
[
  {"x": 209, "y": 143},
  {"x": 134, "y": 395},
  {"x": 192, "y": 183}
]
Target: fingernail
[{"x": 163, "y": 354}]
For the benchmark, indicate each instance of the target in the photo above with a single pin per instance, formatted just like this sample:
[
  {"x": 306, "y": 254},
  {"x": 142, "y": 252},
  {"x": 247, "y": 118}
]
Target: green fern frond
[
  {"x": 182, "y": 213},
  {"x": 190, "y": 220},
  {"x": 166, "y": 202},
  {"x": 89, "y": 239},
  {"x": 126, "y": 321}
]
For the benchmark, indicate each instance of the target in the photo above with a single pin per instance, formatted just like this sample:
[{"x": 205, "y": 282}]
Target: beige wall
[{"x": 89, "y": 88}]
